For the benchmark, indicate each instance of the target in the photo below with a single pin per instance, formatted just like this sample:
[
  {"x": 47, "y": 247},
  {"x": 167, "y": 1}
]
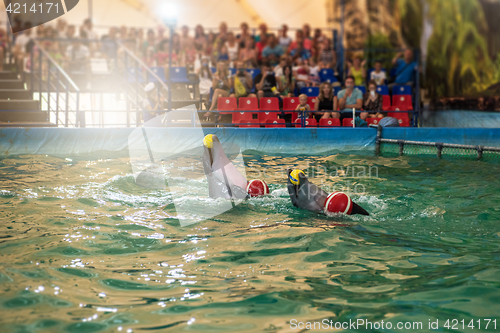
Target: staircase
[{"x": 23, "y": 111}]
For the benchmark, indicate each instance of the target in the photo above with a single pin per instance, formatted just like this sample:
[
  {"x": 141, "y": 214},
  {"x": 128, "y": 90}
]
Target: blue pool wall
[{"x": 113, "y": 143}]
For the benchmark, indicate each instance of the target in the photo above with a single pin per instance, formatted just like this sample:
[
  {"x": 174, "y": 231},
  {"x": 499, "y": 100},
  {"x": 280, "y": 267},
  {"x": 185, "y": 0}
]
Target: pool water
[{"x": 84, "y": 249}]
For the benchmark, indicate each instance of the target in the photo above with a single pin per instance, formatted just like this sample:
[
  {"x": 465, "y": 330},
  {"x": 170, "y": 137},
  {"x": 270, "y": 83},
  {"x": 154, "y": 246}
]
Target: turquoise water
[{"x": 84, "y": 249}]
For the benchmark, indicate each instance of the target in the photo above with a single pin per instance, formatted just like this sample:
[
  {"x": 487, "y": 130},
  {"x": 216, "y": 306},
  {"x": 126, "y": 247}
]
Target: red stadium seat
[
  {"x": 248, "y": 123},
  {"x": 264, "y": 117},
  {"x": 290, "y": 103},
  {"x": 347, "y": 122},
  {"x": 404, "y": 122},
  {"x": 226, "y": 104},
  {"x": 249, "y": 103},
  {"x": 310, "y": 122},
  {"x": 242, "y": 116},
  {"x": 333, "y": 122},
  {"x": 312, "y": 102},
  {"x": 386, "y": 105},
  {"x": 402, "y": 101},
  {"x": 399, "y": 115},
  {"x": 373, "y": 121},
  {"x": 269, "y": 103},
  {"x": 276, "y": 123}
]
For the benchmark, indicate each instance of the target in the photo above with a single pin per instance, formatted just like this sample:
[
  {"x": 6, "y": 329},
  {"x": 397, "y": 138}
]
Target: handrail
[
  {"x": 56, "y": 65},
  {"x": 139, "y": 61}
]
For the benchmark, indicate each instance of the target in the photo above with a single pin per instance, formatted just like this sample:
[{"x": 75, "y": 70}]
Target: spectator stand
[{"x": 385, "y": 56}]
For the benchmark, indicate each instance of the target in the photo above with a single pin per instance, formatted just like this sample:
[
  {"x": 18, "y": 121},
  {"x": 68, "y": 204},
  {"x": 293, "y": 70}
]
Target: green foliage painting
[{"x": 458, "y": 63}]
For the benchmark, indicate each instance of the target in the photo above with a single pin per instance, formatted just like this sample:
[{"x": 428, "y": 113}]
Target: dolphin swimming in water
[
  {"x": 308, "y": 196},
  {"x": 224, "y": 179}
]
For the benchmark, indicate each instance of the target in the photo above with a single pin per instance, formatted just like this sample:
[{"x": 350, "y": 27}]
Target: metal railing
[
  {"x": 57, "y": 92},
  {"x": 142, "y": 74}
]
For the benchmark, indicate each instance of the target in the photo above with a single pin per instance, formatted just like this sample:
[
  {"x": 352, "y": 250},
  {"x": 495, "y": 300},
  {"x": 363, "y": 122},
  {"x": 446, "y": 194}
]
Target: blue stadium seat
[
  {"x": 325, "y": 73},
  {"x": 329, "y": 79},
  {"x": 362, "y": 88},
  {"x": 401, "y": 90},
  {"x": 160, "y": 72},
  {"x": 383, "y": 90},
  {"x": 310, "y": 91},
  {"x": 336, "y": 90},
  {"x": 132, "y": 76},
  {"x": 213, "y": 70},
  {"x": 179, "y": 75},
  {"x": 254, "y": 72}
]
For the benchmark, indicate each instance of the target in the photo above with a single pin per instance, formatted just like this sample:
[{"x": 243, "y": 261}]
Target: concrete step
[
  {"x": 27, "y": 125},
  {"x": 8, "y": 75},
  {"x": 15, "y": 94},
  {"x": 19, "y": 105},
  {"x": 11, "y": 84},
  {"x": 24, "y": 116}
]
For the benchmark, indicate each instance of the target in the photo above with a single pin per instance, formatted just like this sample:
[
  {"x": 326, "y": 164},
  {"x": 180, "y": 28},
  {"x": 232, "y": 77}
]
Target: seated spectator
[
  {"x": 223, "y": 54},
  {"x": 241, "y": 82},
  {"x": 77, "y": 56},
  {"x": 243, "y": 36},
  {"x": 372, "y": 102},
  {"x": 263, "y": 33},
  {"x": 210, "y": 49},
  {"x": 306, "y": 29},
  {"x": 278, "y": 70},
  {"x": 232, "y": 47},
  {"x": 67, "y": 36},
  {"x": 161, "y": 57},
  {"x": 350, "y": 97},
  {"x": 284, "y": 40},
  {"x": 313, "y": 72},
  {"x": 273, "y": 51},
  {"x": 221, "y": 86},
  {"x": 286, "y": 82},
  {"x": 300, "y": 51},
  {"x": 248, "y": 54},
  {"x": 265, "y": 82},
  {"x": 259, "y": 47},
  {"x": 109, "y": 46},
  {"x": 149, "y": 48},
  {"x": 205, "y": 75},
  {"x": 222, "y": 35},
  {"x": 200, "y": 39},
  {"x": 22, "y": 46},
  {"x": 326, "y": 103},
  {"x": 303, "y": 71},
  {"x": 358, "y": 71},
  {"x": 327, "y": 55},
  {"x": 184, "y": 38},
  {"x": 405, "y": 69},
  {"x": 378, "y": 75},
  {"x": 318, "y": 36},
  {"x": 302, "y": 107},
  {"x": 189, "y": 54}
]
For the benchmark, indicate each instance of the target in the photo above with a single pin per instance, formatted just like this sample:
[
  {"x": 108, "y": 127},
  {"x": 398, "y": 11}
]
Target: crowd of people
[{"x": 286, "y": 64}]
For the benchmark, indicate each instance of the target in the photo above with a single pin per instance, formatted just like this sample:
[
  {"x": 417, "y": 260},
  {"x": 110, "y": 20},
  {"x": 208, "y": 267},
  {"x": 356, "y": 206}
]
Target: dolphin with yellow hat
[
  {"x": 306, "y": 195},
  {"x": 224, "y": 179}
]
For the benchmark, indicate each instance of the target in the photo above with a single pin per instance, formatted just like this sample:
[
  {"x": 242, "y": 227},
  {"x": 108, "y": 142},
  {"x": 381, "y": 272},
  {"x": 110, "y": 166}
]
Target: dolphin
[
  {"x": 224, "y": 180},
  {"x": 307, "y": 195}
]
